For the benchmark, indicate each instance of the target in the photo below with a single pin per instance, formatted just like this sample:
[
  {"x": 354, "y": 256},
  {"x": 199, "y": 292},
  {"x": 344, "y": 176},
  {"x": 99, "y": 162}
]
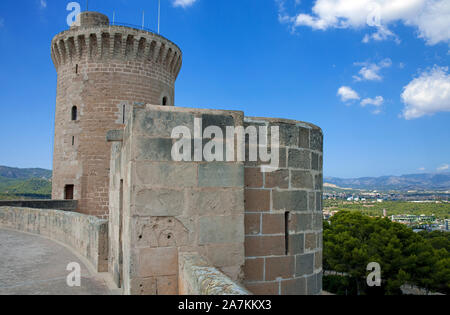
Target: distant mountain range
[
  {"x": 24, "y": 173},
  {"x": 434, "y": 182},
  {"x": 28, "y": 183}
]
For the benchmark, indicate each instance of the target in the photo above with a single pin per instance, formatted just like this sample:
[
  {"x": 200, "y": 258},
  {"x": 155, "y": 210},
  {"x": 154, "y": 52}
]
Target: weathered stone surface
[
  {"x": 257, "y": 246},
  {"x": 299, "y": 159},
  {"x": 254, "y": 269},
  {"x": 216, "y": 202},
  {"x": 161, "y": 124},
  {"x": 221, "y": 175},
  {"x": 302, "y": 179},
  {"x": 253, "y": 177},
  {"x": 290, "y": 200},
  {"x": 304, "y": 265},
  {"x": 252, "y": 223},
  {"x": 161, "y": 261},
  {"x": 159, "y": 202},
  {"x": 198, "y": 278},
  {"x": 166, "y": 174},
  {"x": 315, "y": 161},
  {"x": 296, "y": 286},
  {"x": 316, "y": 140},
  {"x": 296, "y": 244},
  {"x": 221, "y": 229},
  {"x": 277, "y": 179},
  {"x": 257, "y": 200},
  {"x": 160, "y": 232},
  {"x": 273, "y": 223},
  {"x": 279, "y": 268},
  {"x": 221, "y": 121},
  {"x": 154, "y": 149},
  {"x": 304, "y": 138}
]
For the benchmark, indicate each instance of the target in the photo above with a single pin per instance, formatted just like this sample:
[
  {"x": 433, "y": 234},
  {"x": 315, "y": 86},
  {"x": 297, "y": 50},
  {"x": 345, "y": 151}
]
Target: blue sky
[{"x": 373, "y": 75}]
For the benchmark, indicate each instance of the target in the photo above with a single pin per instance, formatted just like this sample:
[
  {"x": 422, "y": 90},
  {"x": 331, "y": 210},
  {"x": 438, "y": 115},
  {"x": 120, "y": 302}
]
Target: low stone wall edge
[{"x": 86, "y": 235}]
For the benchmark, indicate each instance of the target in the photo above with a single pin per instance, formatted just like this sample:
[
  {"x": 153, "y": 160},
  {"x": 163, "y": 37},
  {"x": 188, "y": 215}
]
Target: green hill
[{"x": 33, "y": 183}]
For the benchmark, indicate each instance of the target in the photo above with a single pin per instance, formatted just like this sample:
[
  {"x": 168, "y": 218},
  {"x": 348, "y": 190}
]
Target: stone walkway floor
[{"x": 33, "y": 265}]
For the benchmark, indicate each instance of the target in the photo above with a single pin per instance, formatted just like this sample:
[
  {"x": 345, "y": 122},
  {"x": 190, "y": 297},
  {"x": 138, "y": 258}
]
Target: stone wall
[
  {"x": 196, "y": 277},
  {"x": 64, "y": 205},
  {"x": 169, "y": 208},
  {"x": 86, "y": 235},
  {"x": 283, "y": 214},
  {"x": 102, "y": 71},
  {"x": 224, "y": 212}
]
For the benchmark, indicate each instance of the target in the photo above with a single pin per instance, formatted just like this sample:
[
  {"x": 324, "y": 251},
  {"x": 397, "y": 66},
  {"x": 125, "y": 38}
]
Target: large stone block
[
  {"x": 257, "y": 200},
  {"x": 304, "y": 264},
  {"x": 299, "y": 159},
  {"x": 302, "y": 179},
  {"x": 279, "y": 268},
  {"x": 215, "y": 202},
  {"x": 221, "y": 175},
  {"x": 161, "y": 124},
  {"x": 161, "y": 261},
  {"x": 171, "y": 175},
  {"x": 220, "y": 229},
  {"x": 290, "y": 200},
  {"x": 154, "y": 149},
  {"x": 254, "y": 269},
  {"x": 316, "y": 140},
  {"x": 277, "y": 179},
  {"x": 260, "y": 246},
  {"x": 293, "y": 287},
  {"x": 159, "y": 203}
]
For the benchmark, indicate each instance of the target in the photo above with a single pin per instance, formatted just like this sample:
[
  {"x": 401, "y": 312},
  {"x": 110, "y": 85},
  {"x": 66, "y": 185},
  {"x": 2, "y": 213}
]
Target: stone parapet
[
  {"x": 196, "y": 277},
  {"x": 86, "y": 235}
]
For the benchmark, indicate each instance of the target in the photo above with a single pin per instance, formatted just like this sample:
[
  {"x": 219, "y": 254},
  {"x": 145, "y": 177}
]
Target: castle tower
[{"x": 103, "y": 70}]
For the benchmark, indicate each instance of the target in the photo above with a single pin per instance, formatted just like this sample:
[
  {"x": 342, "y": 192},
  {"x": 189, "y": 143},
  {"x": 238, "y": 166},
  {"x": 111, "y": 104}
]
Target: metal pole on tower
[
  {"x": 159, "y": 14},
  {"x": 143, "y": 19},
  {"x": 87, "y": 5}
]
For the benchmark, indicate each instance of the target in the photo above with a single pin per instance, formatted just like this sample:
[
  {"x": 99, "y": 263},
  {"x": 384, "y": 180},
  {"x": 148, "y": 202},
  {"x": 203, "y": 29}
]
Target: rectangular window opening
[{"x": 68, "y": 192}]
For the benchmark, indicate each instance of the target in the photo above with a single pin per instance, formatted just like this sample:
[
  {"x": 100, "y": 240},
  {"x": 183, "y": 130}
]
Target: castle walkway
[{"x": 33, "y": 265}]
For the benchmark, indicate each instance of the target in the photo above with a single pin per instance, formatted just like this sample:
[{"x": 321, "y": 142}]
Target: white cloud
[
  {"x": 371, "y": 71},
  {"x": 43, "y": 4},
  {"x": 422, "y": 169},
  {"x": 431, "y": 18},
  {"x": 443, "y": 167},
  {"x": 428, "y": 94},
  {"x": 347, "y": 94},
  {"x": 377, "y": 101},
  {"x": 183, "y": 3}
]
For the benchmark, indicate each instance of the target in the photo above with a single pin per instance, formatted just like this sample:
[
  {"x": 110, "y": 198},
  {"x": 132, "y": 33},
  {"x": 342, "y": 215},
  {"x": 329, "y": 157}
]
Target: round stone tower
[{"x": 103, "y": 70}]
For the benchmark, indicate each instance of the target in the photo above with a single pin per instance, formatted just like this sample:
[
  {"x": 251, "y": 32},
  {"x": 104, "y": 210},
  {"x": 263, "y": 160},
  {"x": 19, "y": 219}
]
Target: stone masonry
[{"x": 263, "y": 230}]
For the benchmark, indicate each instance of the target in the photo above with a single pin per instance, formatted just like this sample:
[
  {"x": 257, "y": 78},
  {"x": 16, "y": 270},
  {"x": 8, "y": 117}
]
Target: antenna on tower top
[
  {"x": 143, "y": 19},
  {"x": 87, "y": 5},
  {"x": 159, "y": 14}
]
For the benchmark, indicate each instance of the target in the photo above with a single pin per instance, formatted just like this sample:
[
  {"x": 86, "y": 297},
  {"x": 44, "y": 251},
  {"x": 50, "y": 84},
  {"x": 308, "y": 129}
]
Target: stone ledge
[
  {"x": 63, "y": 205},
  {"x": 198, "y": 278},
  {"x": 86, "y": 235}
]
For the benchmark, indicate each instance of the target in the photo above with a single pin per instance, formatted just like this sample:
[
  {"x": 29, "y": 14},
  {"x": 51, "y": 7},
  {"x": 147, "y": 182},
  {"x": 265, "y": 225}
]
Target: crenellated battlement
[{"x": 113, "y": 42}]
